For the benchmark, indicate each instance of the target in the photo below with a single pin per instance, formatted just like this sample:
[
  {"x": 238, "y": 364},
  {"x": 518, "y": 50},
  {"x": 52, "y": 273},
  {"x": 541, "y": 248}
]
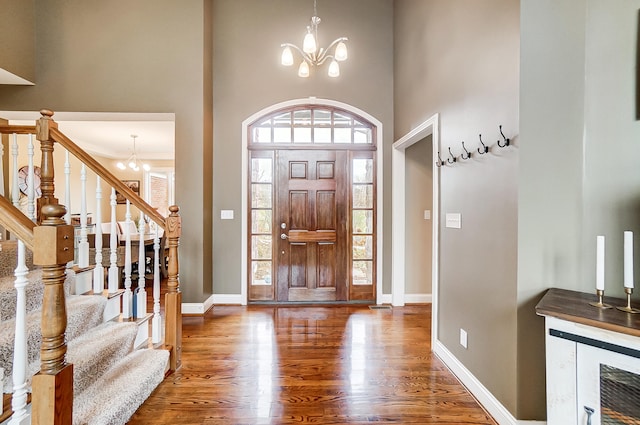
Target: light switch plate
[
  {"x": 453, "y": 220},
  {"x": 427, "y": 214},
  {"x": 226, "y": 214}
]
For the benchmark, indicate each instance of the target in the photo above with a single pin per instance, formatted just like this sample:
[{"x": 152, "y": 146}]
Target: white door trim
[
  {"x": 428, "y": 127},
  {"x": 245, "y": 170}
]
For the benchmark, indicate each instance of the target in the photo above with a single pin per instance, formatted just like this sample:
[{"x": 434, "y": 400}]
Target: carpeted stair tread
[
  {"x": 33, "y": 291},
  {"x": 95, "y": 352},
  {"x": 115, "y": 397},
  {"x": 9, "y": 257},
  {"x": 83, "y": 314}
]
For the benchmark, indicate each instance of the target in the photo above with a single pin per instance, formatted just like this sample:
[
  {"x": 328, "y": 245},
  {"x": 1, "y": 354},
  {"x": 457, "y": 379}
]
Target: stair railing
[{"x": 54, "y": 372}]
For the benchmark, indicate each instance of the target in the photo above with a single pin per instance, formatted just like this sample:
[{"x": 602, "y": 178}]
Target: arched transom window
[{"x": 308, "y": 125}]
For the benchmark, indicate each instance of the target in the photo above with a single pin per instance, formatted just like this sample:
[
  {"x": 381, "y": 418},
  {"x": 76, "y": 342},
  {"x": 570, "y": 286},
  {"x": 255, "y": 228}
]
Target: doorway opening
[{"x": 311, "y": 206}]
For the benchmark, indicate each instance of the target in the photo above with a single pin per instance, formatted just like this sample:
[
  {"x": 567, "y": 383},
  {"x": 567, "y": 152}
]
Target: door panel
[{"x": 313, "y": 203}]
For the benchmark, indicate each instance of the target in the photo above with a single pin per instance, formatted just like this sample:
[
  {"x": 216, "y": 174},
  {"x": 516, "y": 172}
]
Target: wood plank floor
[{"x": 310, "y": 365}]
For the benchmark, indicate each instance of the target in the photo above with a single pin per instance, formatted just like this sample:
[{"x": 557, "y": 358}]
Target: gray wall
[
  {"x": 18, "y": 35},
  {"x": 467, "y": 71},
  {"x": 578, "y": 174},
  {"x": 93, "y": 57},
  {"x": 249, "y": 78},
  {"x": 418, "y": 233}
]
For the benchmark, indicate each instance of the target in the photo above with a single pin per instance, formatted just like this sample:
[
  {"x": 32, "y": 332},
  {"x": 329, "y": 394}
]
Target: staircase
[{"x": 72, "y": 341}]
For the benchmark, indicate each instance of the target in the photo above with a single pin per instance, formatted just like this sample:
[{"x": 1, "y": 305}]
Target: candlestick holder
[
  {"x": 600, "y": 304},
  {"x": 628, "y": 307}
]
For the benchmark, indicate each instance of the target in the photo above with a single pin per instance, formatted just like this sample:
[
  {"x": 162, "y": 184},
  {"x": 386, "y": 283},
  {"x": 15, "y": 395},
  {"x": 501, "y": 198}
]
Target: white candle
[
  {"x": 628, "y": 259},
  {"x": 600, "y": 263}
]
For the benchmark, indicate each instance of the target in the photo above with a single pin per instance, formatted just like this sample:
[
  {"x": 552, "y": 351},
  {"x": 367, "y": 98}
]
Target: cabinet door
[{"x": 608, "y": 383}]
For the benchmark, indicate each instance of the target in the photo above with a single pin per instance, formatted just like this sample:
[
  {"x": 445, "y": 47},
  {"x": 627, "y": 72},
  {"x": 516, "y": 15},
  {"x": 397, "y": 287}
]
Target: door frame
[
  {"x": 245, "y": 187},
  {"x": 427, "y": 128}
]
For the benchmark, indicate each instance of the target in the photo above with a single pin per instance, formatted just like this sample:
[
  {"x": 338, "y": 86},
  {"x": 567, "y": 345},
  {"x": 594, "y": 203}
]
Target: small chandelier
[
  {"x": 132, "y": 161},
  {"x": 311, "y": 55}
]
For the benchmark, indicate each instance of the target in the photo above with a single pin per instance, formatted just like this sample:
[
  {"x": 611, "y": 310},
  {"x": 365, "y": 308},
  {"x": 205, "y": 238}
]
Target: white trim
[
  {"x": 231, "y": 299},
  {"x": 428, "y": 127},
  {"x": 479, "y": 391},
  {"x": 244, "y": 191},
  {"x": 417, "y": 298},
  {"x": 384, "y": 299},
  {"x": 197, "y": 308}
]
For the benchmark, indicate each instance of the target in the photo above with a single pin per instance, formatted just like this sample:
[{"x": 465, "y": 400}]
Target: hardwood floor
[{"x": 321, "y": 365}]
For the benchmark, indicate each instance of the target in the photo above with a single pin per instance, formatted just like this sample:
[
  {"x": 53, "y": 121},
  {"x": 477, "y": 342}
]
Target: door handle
[{"x": 284, "y": 236}]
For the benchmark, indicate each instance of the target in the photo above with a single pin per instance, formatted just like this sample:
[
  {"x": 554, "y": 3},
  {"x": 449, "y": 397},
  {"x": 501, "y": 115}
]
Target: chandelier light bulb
[
  {"x": 132, "y": 165},
  {"x": 341, "y": 52},
  {"x": 146, "y": 167},
  {"x": 121, "y": 166},
  {"x": 303, "y": 70},
  {"x": 334, "y": 69},
  {"x": 287, "y": 56},
  {"x": 309, "y": 44}
]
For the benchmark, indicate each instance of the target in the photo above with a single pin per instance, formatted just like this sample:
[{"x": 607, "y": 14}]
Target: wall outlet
[{"x": 463, "y": 338}]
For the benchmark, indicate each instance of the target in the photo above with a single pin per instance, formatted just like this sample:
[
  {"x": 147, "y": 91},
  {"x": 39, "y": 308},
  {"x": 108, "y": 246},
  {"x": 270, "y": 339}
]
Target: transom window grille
[{"x": 311, "y": 125}]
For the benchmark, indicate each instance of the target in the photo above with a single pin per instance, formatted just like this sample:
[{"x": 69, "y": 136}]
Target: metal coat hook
[
  {"x": 506, "y": 140},
  {"x": 452, "y": 159},
  {"x": 439, "y": 162},
  {"x": 484, "y": 149},
  {"x": 466, "y": 151}
]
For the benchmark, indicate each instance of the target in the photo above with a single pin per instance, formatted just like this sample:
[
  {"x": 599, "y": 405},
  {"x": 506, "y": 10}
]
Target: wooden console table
[{"x": 585, "y": 346}]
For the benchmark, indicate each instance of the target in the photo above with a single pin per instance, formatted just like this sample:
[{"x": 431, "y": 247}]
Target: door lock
[{"x": 283, "y": 226}]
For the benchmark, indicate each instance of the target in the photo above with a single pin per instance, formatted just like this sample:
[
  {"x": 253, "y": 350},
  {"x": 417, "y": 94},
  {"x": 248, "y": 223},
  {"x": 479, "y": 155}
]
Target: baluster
[
  {"x": 53, "y": 386},
  {"x": 173, "y": 297},
  {"x": 83, "y": 245},
  {"x": 127, "y": 297},
  {"x": 31, "y": 194},
  {"x": 20, "y": 388},
  {"x": 67, "y": 187},
  {"x": 114, "y": 273},
  {"x": 2, "y": 193},
  {"x": 98, "y": 272},
  {"x": 15, "y": 190},
  {"x": 156, "y": 322},
  {"x": 141, "y": 307}
]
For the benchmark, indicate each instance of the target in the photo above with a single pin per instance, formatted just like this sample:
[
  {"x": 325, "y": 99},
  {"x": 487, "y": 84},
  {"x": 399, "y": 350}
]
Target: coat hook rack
[
  {"x": 506, "y": 140},
  {"x": 484, "y": 149},
  {"x": 439, "y": 162},
  {"x": 466, "y": 151},
  {"x": 452, "y": 159}
]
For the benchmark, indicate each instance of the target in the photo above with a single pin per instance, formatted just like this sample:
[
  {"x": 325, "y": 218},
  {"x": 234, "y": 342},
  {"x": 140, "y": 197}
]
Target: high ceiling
[{"x": 109, "y": 134}]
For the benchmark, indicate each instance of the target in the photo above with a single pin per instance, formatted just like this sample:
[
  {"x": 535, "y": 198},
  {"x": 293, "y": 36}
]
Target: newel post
[
  {"x": 173, "y": 297},
  {"x": 53, "y": 385},
  {"x": 43, "y": 127}
]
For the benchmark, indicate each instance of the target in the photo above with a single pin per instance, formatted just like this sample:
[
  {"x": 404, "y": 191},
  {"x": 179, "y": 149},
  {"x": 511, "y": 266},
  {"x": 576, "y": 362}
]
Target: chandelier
[
  {"x": 311, "y": 55},
  {"x": 132, "y": 161}
]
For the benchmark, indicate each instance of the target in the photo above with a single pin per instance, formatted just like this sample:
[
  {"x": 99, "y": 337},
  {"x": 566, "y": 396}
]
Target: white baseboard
[
  {"x": 417, "y": 298},
  {"x": 232, "y": 299},
  {"x": 385, "y": 299},
  {"x": 197, "y": 308},
  {"x": 480, "y": 392}
]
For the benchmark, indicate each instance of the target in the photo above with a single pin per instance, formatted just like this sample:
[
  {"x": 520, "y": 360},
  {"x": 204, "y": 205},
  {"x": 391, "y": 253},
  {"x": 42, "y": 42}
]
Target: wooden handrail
[
  {"x": 17, "y": 129},
  {"x": 16, "y": 222},
  {"x": 104, "y": 174}
]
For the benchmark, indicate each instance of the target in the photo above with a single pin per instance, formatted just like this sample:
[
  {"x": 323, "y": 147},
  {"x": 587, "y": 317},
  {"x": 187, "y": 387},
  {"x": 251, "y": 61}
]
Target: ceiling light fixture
[
  {"x": 311, "y": 55},
  {"x": 132, "y": 161}
]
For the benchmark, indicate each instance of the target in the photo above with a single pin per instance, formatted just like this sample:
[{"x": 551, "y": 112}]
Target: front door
[{"x": 312, "y": 210}]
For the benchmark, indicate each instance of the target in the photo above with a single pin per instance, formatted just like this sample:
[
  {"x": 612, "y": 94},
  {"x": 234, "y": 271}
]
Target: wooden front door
[{"x": 312, "y": 239}]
